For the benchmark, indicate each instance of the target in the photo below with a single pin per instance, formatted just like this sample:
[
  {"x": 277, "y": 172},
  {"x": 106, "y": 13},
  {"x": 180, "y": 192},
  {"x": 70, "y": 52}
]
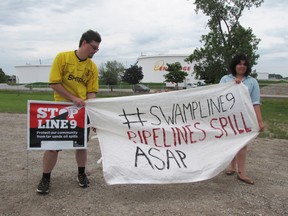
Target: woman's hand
[
  {"x": 237, "y": 80},
  {"x": 261, "y": 126}
]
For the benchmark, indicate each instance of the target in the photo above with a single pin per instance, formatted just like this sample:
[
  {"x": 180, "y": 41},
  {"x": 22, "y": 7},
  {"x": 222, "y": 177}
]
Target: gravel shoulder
[{"x": 223, "y": 195}]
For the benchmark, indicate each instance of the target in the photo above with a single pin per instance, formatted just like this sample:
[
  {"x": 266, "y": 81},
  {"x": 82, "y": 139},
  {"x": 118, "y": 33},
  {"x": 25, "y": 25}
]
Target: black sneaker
[
  {"x": 43, "y": 187},
  {"x": 83, "y": 180}
]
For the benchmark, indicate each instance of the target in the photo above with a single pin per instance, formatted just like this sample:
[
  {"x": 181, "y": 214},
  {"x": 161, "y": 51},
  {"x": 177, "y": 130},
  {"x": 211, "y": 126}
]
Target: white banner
[{"x": 173, "y": 137}]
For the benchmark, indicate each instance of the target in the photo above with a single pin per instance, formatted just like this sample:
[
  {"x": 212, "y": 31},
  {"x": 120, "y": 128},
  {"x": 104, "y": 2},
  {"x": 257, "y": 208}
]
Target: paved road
[
  {"x": 274, "y": 96},
  {"x": 23, "y": 88},
  {"x": 4, "y": 86}
]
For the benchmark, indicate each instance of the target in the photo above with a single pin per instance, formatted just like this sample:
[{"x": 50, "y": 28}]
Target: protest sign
[
  {"x": 174, "y": 137},
  {"x": 55, "y": 126}
]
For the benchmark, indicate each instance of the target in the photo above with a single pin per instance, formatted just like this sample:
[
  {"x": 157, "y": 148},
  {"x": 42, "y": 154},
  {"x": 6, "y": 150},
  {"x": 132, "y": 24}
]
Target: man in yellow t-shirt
[{"x": 73, "y": 77}]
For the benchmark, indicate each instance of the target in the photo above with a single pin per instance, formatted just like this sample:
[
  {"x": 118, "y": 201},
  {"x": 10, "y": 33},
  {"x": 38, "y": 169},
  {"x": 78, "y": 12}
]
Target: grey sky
[{"x": 31, "y": 30}]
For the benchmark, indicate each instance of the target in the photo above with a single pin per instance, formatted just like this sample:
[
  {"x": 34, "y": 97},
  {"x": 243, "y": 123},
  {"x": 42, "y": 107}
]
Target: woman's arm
[{"x": 259, "y": 117}]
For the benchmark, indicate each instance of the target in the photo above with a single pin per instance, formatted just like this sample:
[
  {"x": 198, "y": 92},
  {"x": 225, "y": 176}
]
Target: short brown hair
[{"x": 89, "y": 36}]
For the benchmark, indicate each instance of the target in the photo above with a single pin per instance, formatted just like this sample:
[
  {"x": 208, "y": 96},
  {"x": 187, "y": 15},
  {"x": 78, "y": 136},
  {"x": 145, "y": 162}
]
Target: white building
[
  {"x": 32, "y": 73},
  {"x": 262, "y": 76},
  {"x": 153, "y": 67}
]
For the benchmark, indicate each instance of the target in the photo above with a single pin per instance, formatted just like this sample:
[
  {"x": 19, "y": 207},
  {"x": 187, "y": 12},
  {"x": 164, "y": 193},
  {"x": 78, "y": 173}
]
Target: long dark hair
[{"x": 236, "y": 60}]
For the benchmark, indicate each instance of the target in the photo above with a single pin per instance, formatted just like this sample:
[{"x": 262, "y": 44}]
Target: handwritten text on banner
[{"x": 174, "y": 137}]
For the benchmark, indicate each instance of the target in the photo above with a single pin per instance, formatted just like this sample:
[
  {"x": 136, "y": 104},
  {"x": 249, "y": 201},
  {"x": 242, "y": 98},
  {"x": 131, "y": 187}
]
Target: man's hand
[
  {"x": 66, "y": 94},
  {"x": 78, "y": 101}
]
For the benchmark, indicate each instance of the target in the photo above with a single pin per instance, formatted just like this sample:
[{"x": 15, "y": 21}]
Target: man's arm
[
  {"x": 91, "y": 95},
  {"x": 259, "y": 117}
]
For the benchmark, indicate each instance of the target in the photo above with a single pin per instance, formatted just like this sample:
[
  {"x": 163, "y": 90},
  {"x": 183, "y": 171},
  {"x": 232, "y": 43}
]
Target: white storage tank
[
  {"x": 154, "y": 67},
  {"x": 32, "y": 73}
]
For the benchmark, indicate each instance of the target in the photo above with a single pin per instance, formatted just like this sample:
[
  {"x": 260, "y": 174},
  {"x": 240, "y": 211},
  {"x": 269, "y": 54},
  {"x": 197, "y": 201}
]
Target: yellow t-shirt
[{"x": 77, "y": 77}]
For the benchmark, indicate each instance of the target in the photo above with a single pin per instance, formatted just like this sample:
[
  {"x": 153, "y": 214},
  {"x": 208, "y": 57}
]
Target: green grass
[
  {"x": 272, "y": 81},
  {"x": 275, "y": 116},
  {"x": 16, "y": 102},
  {"x": 274, "y": 111},
  {"x": 263, "y": 83}
]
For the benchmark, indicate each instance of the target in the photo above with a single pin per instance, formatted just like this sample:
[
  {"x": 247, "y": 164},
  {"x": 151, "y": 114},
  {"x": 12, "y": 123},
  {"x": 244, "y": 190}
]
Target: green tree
[
  {"x": 111, "y": 73},
  {"x": 3, "y": 76},
  {"x": 275, "y": 76},
  {"x": 226, "y": 38},
  {"x": 133, "y": 74},
  {"x": 175, "y": 73}
]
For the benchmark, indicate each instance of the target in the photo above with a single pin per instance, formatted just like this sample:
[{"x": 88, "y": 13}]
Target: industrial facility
[
  {"x": 153, "y": 67},
  {"x": 32, "y": 73}
]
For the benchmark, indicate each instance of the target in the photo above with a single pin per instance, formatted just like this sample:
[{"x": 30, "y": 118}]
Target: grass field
[
  {"x": 16, "y": 102},
  {"x": 274, "y": 111},
  {"x": 275, "y": 115}
]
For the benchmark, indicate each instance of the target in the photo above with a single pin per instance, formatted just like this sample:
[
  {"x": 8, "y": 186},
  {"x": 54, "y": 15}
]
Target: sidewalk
[
  {"x": 275, "y": 96},
  {"x": 4, "y": 86}
]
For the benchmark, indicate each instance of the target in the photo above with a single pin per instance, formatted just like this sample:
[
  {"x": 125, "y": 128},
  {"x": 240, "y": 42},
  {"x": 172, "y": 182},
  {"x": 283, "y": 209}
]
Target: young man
[{"x": 74, "y": 78}]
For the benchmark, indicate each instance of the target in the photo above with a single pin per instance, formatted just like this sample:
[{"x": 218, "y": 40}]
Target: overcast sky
[{"x": 34, "y": 31}]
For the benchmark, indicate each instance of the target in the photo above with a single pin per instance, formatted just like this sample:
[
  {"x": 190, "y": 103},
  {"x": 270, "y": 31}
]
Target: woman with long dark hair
[{"x": 240, "y": 70}]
